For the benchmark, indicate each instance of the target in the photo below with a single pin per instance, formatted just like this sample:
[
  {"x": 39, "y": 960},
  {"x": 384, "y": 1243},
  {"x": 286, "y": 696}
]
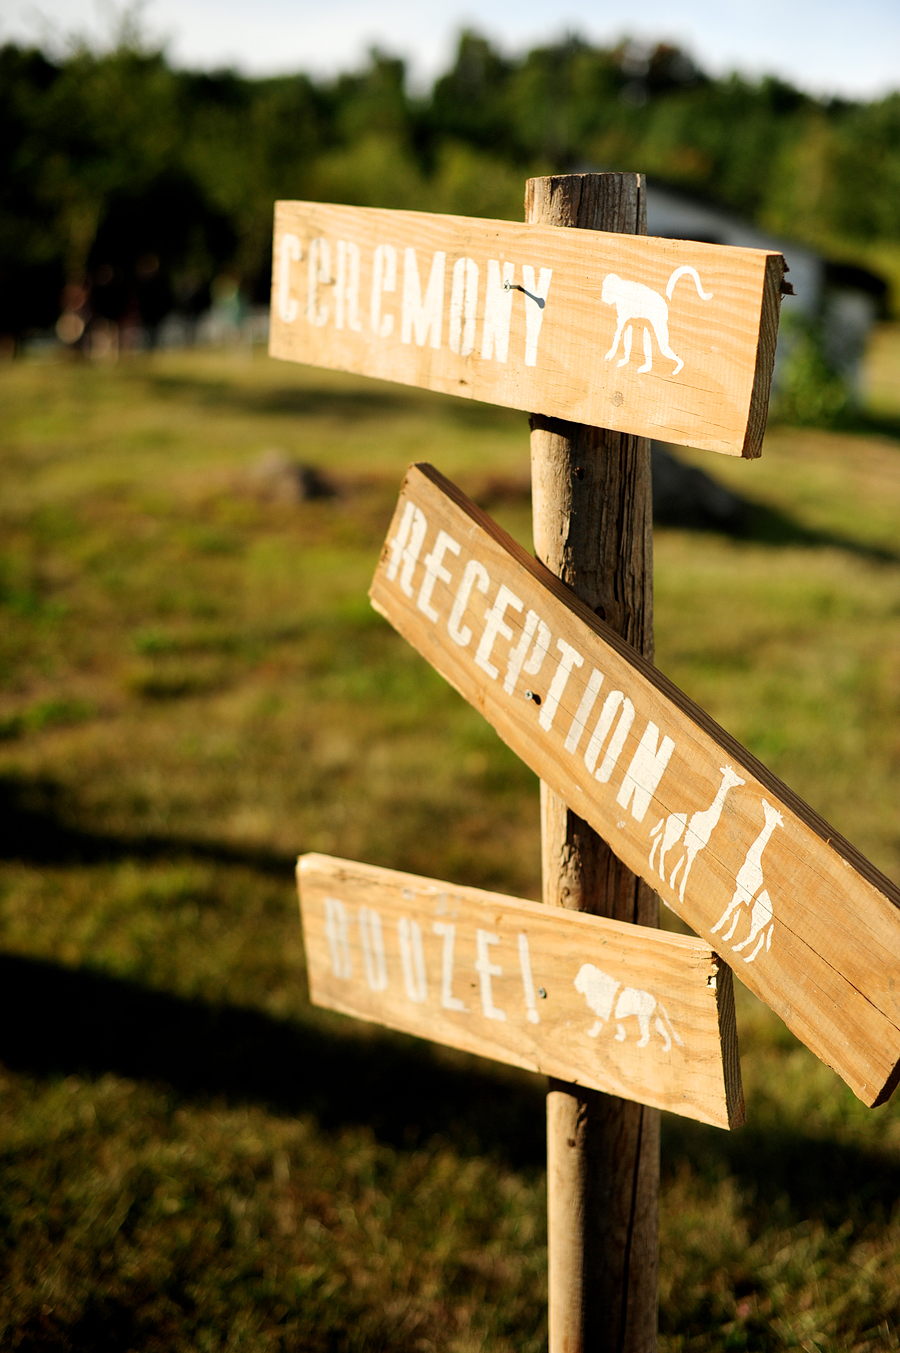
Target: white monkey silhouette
[{"x": 634, "y": 301}]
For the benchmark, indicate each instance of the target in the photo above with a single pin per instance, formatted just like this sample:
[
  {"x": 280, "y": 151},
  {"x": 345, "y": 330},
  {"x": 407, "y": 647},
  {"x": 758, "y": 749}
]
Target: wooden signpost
[
  {"x": 642, "y": 793},
  {"x": 638, "y": 1013},
  {"x": 592, "y": 523},
  {"x": 664, "y": 338},
  {"x": 812, "y": 927}
]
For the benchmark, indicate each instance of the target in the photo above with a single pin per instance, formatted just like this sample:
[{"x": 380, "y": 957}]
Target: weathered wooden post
[{"x": 591, "y": 495}]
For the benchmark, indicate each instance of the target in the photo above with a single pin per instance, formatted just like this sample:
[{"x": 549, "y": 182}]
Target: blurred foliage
[
  {"x": 142, "y": 183},
  {"x": 811, "y": 391}
]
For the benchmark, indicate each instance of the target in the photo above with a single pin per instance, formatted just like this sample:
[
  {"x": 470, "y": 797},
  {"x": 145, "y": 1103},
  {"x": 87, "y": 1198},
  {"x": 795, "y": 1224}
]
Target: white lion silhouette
[
  {"x": 599, "y": 990},
  {"x": 634, "y": 301}
]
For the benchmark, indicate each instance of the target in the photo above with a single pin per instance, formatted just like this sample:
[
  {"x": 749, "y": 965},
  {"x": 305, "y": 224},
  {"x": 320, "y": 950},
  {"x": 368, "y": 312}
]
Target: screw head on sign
[
  {"x": 542, "y": 992},
  {"x": 532, "y": 695}
]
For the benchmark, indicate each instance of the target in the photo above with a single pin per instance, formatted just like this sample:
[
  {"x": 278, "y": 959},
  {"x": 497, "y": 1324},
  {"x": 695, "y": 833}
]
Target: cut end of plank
[
  {"x": 731, "y": 1057},
  {"x": 770, "y": 312},
  {"x": 886, "y": 1091}
]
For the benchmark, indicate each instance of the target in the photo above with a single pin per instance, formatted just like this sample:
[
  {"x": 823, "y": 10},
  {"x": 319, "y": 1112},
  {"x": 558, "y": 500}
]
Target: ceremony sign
[
  {"x": 661, "y": 338},
  {"x": 632, "y": 1011},
  {"x": 811, "y": 926}
]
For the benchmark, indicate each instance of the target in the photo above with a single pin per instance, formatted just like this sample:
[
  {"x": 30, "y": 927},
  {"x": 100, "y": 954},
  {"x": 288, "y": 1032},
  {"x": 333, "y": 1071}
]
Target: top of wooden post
[{"x": 613, "y": 202}]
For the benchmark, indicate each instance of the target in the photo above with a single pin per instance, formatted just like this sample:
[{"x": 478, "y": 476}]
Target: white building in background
[{"x": 846, "y": 300}]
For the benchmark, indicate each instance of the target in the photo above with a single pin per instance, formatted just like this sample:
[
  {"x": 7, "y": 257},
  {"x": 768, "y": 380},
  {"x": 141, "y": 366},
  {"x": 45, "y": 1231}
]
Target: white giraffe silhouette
[
  {"x": 748, "y": 883},
  {"x": 760, "y": 917},
  {"x": 696, "y": 832},
  {"x": 635, "y": 301}
]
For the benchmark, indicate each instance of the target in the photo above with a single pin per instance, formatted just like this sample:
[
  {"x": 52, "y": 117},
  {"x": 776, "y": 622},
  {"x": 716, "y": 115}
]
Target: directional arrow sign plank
[
  {"x": 808, "y": 924},
  {"x": 635, "y": 1012},
  {"x": 663, "y": 338}
]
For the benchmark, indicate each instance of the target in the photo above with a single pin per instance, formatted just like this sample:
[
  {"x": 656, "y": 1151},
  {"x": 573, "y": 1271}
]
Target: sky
[{"x": 828, "y": 47}]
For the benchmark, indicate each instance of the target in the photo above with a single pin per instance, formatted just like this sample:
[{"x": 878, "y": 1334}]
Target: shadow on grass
[
  {"x": 687, "y": 497},
  {"x": 765, "y": 525},
  {"x": 350, "y": 405},
  {"x": 789, "y": 1175},
  {"x": 59, "y": 1021},
  {"x": 873, "y": 425},
  {"x": 855, "y": 421},
  {"x": 36, "y": 828},
  {"x": 750, "y": 521},
  {"x": 56, "y": 1021}
]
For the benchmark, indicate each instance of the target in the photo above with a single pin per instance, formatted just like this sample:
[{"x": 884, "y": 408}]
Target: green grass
[{"x": 194, "y": 689}]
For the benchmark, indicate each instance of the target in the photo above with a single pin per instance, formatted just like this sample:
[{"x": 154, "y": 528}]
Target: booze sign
[
  {"x": 635, "y": 1012},
  {"x": 811, "y": 926},
  {"x": 662, "y": 338}
]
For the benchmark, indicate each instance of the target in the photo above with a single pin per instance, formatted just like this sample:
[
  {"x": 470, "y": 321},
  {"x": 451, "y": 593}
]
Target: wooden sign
[
  {"x": 638, "y": 1013},
  {"x": 663, "y": 338},
  {"x": 809, "y": 925}
]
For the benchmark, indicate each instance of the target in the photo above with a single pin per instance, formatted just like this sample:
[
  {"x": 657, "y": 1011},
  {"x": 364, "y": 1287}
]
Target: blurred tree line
[{"x": 138, "y": 185}]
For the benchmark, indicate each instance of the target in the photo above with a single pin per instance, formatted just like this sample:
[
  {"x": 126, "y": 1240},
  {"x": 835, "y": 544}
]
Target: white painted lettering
[
  {"x": 435, "y": 570},
  {"x": 398, "y": 542},
  {"x": 570, "y": 658},
  {"x": 645, "y": 772},
  {"x": 538, "y": 653},
  {"x": 422, "y": 316},
  {"x": 448, "y": 1000},
  {"x": 527, "y": 979},
  {"x": 412, "y": 959},
  {"x": 384, "y": 278},
  {"x": 291, "y": 252},
  {"x": 336, "y": 932},
  {"x": 474, "y": 575},
  {"x": 346, "y": 298},
  {"x": 463, "y": 306},
  {"x": 406, "y": 546},
  {"x": 412, "y": 551},
  {"x": 535, "y": 302},
  {"x": 486, "y": 970},
  {"x": 497, "y": 311},
  {"x": 583, "y": 713},
  {"x": 615, "y": 703},
  {"x": 494, "y": 624},
  {"x": 374, "y": 957},
  {"x": 318, "y": 272}
]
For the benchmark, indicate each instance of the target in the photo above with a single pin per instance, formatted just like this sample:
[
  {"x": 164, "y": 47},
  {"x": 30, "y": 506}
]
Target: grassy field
[{"x": 193, "y": 689}]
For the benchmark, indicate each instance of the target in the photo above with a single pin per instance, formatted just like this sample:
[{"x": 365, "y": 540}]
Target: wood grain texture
[
  {"x": 592, "y": 497},
  {"x": 810, "y": 926},
  {"x": 589, "y": 1311},
  {"x": 450, "y": 964},
  {"x": 514, "y": 315}
]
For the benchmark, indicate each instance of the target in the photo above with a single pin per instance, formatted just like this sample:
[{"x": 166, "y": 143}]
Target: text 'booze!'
[{"x": 639, "y": 1013}]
